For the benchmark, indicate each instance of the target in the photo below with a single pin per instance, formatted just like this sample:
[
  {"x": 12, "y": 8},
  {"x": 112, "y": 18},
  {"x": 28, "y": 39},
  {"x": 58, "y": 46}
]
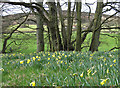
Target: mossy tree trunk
[
  {"x": 40, "y": 30},
  {"x": 63, "y": 31},
  {"x": 79, "y": 29},
  {"x": 53, "y": 25},
  {"x": 96, "y": 27},
  {"x": 69, "y": 23}
]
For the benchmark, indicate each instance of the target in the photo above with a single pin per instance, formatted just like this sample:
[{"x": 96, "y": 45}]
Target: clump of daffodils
[
  {"x": 32, "y": 83},
  {"x": 103, "y": 81}
]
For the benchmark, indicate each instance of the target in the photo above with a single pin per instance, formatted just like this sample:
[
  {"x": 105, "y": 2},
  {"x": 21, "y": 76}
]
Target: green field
[
  {"x": 60, "y": 69},
  {"x": 27, "y": 43},
  {"x": 25, "y": 67}
]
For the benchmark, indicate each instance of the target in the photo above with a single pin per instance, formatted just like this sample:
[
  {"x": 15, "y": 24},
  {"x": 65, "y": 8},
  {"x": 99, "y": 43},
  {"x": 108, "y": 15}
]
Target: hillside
[{"x": 13, "y": 20}]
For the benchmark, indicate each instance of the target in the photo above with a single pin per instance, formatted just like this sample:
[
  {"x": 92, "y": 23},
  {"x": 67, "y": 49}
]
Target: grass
[
  {"x": 61, "y": 69},
  {"x": 25, "y": 66},
  {"x": 27, "y": 43}
]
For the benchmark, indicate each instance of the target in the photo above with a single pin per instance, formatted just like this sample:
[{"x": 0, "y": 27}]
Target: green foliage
[{"x": 61, "y": 69}]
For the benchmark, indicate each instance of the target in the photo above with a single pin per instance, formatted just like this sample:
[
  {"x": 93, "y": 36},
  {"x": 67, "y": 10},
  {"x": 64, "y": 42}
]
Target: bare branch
[
  {"x": 114, "y": 48},
  {"x": 112, "y": 28}
]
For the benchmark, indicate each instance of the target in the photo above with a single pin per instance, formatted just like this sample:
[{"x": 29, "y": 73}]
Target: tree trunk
[
  {"x": 79, "y": 29},
  {"x": 60, "y": 46},
  {"x": 40, "y": 29},
  {"x": 52, "y": 26},
  {"x": 69, "y": 30},
  {"x": 96, "y": 27},
  {"x": 63, "y": 31},
  {"x": 49, "y": 39}
]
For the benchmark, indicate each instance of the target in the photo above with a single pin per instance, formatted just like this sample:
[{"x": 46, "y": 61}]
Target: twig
[{"x": 114, "y": 48}]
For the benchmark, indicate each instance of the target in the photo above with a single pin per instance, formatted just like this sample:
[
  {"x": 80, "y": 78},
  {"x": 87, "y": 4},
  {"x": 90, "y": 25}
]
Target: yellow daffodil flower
[
  {"x": 8, "y": 62},
  {"x": 103, "y": 81},
  {"x": 94, "y": 72},
  {"x": 28, "y": 61},
  {"x": 91, "y": 54},
  {"x": 38, "y": 59},
  {"x": 107, "y": 70},
  {"x": 21, "y": 62},
  {"x": 13, "y": 54},
  {"x": 104, "y": 59},
  {"x": 65, "y": 56},
  {"x": 1, "y": 69},
  {"x": 61, "y": 61},
  {"x": 32, "y": 83},
  {"x": 81, "y": 75},
  {"x": 56, "y": 58},
  {"x": 48, "y": 62},
  {"x": 89, "y": 71},
  {"x": 75, "y": 74},
  {"x": 73, "y": 51},
  {"x": 33, "y": 58},
  {"x": 48, "y": 58},
  {"x": 114, "y": 60},
  {"x": 90, "y": 58},
  {"x": 36, "y": 56},
  {"x": 111, "y": 65},
  {"x": 53, "y": 55},
  {"x": 59, "y": 53}
]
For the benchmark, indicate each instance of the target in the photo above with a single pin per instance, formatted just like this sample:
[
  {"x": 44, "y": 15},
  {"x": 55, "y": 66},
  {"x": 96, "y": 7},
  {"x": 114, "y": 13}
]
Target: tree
[
  {"x": 40, "y": 30},
  {"x": 62, "y": 40},
  {"x": 79, "y": 29},
  {"x": 63, "y": 31},
  {"x": 96, "y": 27},
  {"x": 10, "y": 35}
]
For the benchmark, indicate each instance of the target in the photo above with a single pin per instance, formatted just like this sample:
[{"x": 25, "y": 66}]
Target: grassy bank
[{"x": 61, "y": 69}]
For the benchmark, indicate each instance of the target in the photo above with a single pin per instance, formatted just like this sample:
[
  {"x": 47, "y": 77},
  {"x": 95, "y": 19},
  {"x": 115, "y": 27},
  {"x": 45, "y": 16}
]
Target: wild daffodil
[
  {"x": 61, "y": 62},
  {"x": 32, "y": 83},
  {"x": 1, "y": 69},
  {"x": 111, "y": 65},
  {"x": 48, "y": 58},
  {"x": 53, "y": 55},
  {"x": 81, "y": 75},
  {"x": 114, "y": 60},
  {"x": 75, "y": 74},
  {"x": 38, "y": 59},
  {"x": 107, "y": 70},
  {"x": 48, "y": 62},
  {"x": 21, "y": 62},
  {"x": 28, "y": 61},
  {"x": 103, "y": 81},
  {"x": 34, "y": 58},
  {"x": 94, "y": 72},
  {"x": 65, "y": 56},
  {"x": 56, "y": 58}
]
